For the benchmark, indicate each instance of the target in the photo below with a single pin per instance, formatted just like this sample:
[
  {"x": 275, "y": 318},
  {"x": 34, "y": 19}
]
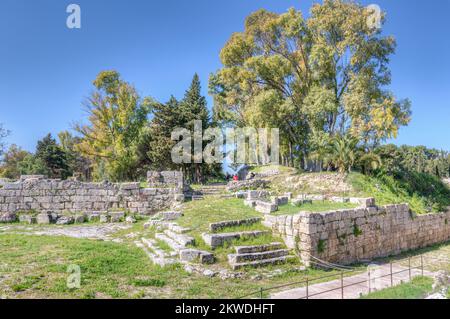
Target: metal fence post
[
  {"x": 392, "y": 278},
  {"x": 421, "y": 263},
  {"x": 260, "y": 293},
  {"x": 370, "y": 290},
  {"x": 307, "y": 288},
  {"x": 409, "y": 264},
  {"x": 342, "y": 284}
]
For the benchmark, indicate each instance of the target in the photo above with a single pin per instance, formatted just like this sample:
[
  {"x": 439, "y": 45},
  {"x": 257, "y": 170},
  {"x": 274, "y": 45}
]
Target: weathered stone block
[
  {"x": 27, "y": 218},
  {"x": 265, "y": 207},
  {"x": 65, "y": 220},
  {"x": 8, "y": 217},
  {"x": 43, "y": 218},
  {"x": 116, "y": 217},
  {"x": 104, "y": 218}
]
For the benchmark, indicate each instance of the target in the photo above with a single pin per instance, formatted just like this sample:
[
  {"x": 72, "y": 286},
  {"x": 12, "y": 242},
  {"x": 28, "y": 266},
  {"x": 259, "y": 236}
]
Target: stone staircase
[
  {"x": 174, "y": 236},
  {"x": 258, "y": 256},
  {"x": 213, "y": 189},
  {"x": 156, "y": 255},
  {"x": 217, "y": 240},
  {"x": 218, "y": 189}
]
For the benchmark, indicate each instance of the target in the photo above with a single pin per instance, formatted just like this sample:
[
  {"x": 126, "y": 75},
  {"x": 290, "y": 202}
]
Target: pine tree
[
  {"x": 156, "y": 143},
  {"x": 194, "y": 108},
  {"x": 53, "y": 157}
]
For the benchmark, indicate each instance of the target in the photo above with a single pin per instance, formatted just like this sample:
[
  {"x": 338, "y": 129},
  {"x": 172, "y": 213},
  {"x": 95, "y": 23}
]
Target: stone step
[
  {"x": 181, "y": 239},
  {"x": 169, "y": 241},
  {"x": 161, "y": 261},
  {"x": 258, "y": 248},
  {"x": 216, "y": 240},
  {"x": 214, "y": 227},
  {"x": 150, "y": 243},
  {"x": 197, "y": 197},
  {"x": 195, "y": 255},
  {"x": 262, "y": 263},
  {"x": 178, "y": 229},
  {"x": 169, "y": 215},
  {"x": 240, "y": 258}
]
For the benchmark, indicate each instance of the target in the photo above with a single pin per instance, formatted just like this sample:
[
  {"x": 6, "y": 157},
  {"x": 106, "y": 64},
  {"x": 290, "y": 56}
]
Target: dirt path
[{"x": 86, "y": 231}]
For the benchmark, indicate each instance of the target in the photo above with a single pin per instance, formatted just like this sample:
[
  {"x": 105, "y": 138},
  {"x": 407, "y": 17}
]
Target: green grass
[
  {"x": 422, "y": 192},
  {"x": 36, "y": 267},
  {"x": 316, "y": 206},
  {"x": 163, "y": 245},
  {"x": 418, "y": 288},
  {"x": 199, "y": 214}
]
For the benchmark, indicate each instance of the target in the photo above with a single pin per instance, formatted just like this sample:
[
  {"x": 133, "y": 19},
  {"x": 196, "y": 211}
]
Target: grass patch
[
  {"x": 143, "y": 184},
  {"x": 36, "y": 267},
  {"x": 199, "y": 214},
  {"x": 163, "y": 245},
  {"x": 424, "y": 193},
  {"x": 417, "y": 288},
  {"x": 148, "y": 283}
]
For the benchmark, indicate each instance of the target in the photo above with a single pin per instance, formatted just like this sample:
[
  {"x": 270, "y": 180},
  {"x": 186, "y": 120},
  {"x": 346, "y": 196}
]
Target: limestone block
[
  {"x": 27, "y": 218},
  {"x": 265, "y": 207},
  {"x": 65, "y": 220},
  {"x": 8, "y": 217},
  {"x": 79, "y": 218},
  {"x": 43, "y": 218},
  {"x": 104, "y": 218},
  {"x": 116, "y": 217}
]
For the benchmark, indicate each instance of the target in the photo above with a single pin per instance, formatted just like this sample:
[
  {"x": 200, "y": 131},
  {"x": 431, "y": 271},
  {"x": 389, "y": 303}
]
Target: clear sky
[{"x": 46, "y": 69}]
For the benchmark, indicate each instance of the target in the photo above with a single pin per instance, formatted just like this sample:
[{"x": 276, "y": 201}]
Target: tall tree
[
  {"x": 53, "y": 157},
  {"x": 78, "y": 164},
  {"x": 193, "y": 107},
  {"x": 156, "y": 143},
  {"x": 11, "y": 160},
  {"x": 117, "y": 116},
  {"x": 312, "y": 78},
  {"x": 3, "y": 133}
]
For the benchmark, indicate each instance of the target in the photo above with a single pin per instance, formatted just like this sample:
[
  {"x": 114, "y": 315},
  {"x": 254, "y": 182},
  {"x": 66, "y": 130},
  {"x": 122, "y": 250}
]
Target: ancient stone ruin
[
  {"x": 350, "y": 235},
  {"x": 37, "y": 194}
]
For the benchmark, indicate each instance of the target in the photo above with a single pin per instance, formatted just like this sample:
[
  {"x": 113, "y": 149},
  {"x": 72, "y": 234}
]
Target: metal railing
[{"x": 306, "y": 283}]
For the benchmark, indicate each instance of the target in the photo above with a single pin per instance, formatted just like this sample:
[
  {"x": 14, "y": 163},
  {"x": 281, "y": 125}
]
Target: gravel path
[{"x": 86, "y": 231}]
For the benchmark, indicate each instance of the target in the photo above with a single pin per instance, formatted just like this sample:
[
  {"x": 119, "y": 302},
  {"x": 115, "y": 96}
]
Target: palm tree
[
  {"x": 369, "y": 162},
  {"x": 343, "y": 152}
]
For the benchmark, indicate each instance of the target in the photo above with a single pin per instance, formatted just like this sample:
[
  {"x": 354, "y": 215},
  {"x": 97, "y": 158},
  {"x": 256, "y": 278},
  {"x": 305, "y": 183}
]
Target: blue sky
[{"x": 46, "y": 69}]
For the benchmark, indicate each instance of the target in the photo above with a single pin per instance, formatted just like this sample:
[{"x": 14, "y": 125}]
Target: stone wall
[
  {"x": 348, "y": 236},
  {"x": 42, "y": 195},
  {"x": 165, "y": 179}
]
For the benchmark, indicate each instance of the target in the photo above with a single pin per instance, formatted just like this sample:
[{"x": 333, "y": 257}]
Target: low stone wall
[
  {"x": 46, "y": 195},
  {"x": 246, "y": 184},
  {"x": 348, "y": 236}
]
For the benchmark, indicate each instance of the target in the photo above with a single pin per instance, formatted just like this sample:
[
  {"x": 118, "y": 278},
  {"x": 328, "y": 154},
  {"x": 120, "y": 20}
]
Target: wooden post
[{"x": 261, "y": 293}]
